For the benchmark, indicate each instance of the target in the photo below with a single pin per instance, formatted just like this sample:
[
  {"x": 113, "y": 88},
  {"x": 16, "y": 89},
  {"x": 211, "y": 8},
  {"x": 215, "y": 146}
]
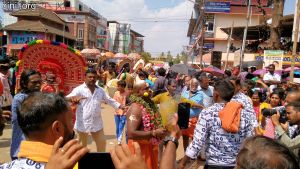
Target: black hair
[
  {"x": 202, "y": 76},
  {"x": 295, "y": 104},
  {"x": 236, "y": 80},
  {"x": 161, "y": 71},
  {"x": 143, "y": 74},
  {"x": 260, "y": 152},
  {"x": 121, "y": 83},
  {"x": 39, "y": 110},
  {"x": 24, "y": 79},
  {"x": 225, "y": 89},
  {"x": 171, "y": 75},
  {"x": 90, "y": 70},
  {"x": 272, "y": 65},
  {"x": 130, "y": 86},
  {"x": 171, "y": 81},
  {"x": 253, "y": 92},
  {"x": 227, "y": 72},
  {"x": 277, "y": 93},
  {"x": 280, "y": 92}
]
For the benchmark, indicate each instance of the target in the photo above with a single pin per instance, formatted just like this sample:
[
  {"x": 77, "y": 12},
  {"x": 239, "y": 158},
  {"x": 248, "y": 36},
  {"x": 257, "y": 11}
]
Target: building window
[
  {"x": 210, "y": 26},
  {"x": 210, "y": 22},
  {"x": 80, "y": 33}
]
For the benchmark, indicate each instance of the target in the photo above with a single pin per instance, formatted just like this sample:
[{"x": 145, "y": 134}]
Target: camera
[{"x": 269, "y": 112}]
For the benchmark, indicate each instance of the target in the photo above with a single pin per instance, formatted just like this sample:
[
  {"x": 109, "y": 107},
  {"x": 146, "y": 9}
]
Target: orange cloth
[
  {"x": 149, "y": 152},
  {"x": 120, "y": 98},
  {"x": 230, "y": 117},
  {"x": 192, "y": 125},
  {"x": 36, "y": 151}
]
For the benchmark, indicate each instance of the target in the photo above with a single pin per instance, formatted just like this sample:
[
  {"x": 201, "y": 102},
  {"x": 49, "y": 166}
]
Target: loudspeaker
[{"x": 216, "y": 58}]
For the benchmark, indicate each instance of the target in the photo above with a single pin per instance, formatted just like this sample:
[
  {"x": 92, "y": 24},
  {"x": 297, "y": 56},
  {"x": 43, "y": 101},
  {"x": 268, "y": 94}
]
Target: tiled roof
[
  {"x": 36, "y": 26},
  {"x": 39, "y": 12}
]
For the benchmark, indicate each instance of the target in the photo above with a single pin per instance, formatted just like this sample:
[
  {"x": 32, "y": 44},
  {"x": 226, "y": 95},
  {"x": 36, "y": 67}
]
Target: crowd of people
[{"x": 236, "y": 120}]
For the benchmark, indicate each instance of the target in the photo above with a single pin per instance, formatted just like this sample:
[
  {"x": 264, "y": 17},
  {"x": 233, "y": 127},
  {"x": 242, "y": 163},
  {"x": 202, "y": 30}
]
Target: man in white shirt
[
  {"x": 88, "y": 118},
  {"x": 271, "y": 78}
]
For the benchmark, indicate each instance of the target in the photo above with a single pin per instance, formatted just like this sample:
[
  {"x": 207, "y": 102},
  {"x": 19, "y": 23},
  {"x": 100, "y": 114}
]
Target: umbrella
[
  {"x": 264, "y": 71},
  {"x": 90, "y": 51},
  {"x": 134, "y": 56},
  {"x": 109, "y": 54},
  {"x": 139, "y": 64},
  {"x": 183, "y": 69},
  {"x": 213, "y": 70},
  {"x": 289, "y": 69},
  {"x": 120, "y": 55}
]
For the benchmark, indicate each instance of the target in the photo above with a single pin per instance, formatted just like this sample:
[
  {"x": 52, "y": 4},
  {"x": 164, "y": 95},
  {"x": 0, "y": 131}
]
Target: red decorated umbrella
[{"x": 213, "y": 70}]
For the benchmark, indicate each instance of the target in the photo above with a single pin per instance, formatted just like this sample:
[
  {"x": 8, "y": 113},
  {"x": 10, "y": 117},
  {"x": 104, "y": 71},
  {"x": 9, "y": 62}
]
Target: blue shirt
[
  {"x": 197, "y": 98},
  {"x": 208, "y": 99},
  {"x": 221, "y": 148},
  {"x": 17, "y": 134}
]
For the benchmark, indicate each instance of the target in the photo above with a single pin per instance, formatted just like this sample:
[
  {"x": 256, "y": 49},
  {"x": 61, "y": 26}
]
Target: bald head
[{"x": 138, "y": 88}]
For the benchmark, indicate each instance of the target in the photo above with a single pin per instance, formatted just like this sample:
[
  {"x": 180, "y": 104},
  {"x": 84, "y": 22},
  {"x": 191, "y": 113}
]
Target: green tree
[
  {"x": 146, "y": 56},
  {"x": 169, "y": 57},
  {"x": 184, "y": 57},
  {"x": 177, "y": 59}
]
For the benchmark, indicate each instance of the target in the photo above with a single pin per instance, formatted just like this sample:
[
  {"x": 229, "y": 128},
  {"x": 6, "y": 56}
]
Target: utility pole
[
  {"x": 295, "y": 34},
  {"x": 228, "y": 45},
  {"x": 201, "y": 29},
  {"x": 245, "y": 36}
]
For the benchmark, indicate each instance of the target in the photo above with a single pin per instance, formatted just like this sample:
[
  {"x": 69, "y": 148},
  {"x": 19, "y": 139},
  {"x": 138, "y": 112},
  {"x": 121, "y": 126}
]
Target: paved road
[{"x": 109, "y": 129}]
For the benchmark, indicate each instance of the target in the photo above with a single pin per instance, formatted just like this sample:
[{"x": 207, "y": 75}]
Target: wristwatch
[{"x": 170, "y": 138}]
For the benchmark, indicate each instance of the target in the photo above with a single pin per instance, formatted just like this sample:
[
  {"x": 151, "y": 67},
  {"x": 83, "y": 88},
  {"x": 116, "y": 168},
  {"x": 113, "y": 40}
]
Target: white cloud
[{"x": 159, "y": 36}]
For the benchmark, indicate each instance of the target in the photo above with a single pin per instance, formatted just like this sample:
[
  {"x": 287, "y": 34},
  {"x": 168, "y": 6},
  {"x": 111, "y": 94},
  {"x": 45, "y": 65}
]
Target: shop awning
[{"x": 253, "y": 33}]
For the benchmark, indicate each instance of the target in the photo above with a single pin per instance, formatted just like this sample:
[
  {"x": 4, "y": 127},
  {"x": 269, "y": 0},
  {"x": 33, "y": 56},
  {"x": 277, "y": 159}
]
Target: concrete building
[
  {"x": 122, "y": 39},
  {"x": 85, "y": 24},
  {"x": 136, "y": 42},
  {"x": 219, "y": 14},
  {"x": 39, "y": 23}
]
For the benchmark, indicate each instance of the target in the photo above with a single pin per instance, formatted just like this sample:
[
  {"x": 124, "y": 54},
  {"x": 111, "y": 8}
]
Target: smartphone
[
  {"x": 96, "y": 161},
  {"x": 183, "y": 115}
]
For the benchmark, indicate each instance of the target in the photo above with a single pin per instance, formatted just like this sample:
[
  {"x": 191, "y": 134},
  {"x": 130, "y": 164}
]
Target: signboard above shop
[
  {"x": 253, "y": 2},
  {"x": 217, "y": 7}
]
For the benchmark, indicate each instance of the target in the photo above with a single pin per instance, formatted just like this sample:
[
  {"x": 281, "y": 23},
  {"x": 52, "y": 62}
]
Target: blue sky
[
  {"x": 289, "y": 7},
  {"x": 158, "y": 4}
]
